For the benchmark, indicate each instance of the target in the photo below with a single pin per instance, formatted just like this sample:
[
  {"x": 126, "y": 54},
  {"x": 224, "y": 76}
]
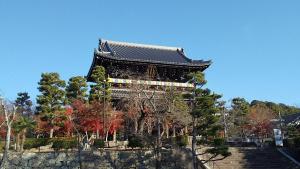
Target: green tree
[
  {"x": 278, "y": 108},
  {"x": 240, "y": 110},
  {"x": 205, "y": 109},
  {"x": 21, "y": 126},
  {"x": 52, "y": 98},
  {"x": 100, "y": 91},
  {"x": 76, "y": 89},
  {"x": 23, "y": 120},
  {"x": 23, "y": 103}
]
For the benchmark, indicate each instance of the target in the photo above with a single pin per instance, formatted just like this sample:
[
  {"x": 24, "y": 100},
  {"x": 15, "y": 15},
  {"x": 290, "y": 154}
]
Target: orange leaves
[
  {"x": 115, "y": 121},
  {"x": 89, "y": 117},
  {"x": 259, "y": 120}
]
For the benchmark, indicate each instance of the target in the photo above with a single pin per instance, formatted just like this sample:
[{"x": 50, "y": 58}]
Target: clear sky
[{"x": 254, "y": 45}]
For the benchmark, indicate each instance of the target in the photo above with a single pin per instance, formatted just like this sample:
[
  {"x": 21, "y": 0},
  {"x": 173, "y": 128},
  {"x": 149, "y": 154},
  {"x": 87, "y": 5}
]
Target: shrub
[
  {"x": 218, "y": 141},
  {"x": 98, "y": 143},
  {"x": 182, "y": 141},
  {"x": 35, "y": 142},
  {"x": 135, "y": 141},
  {"x": 64, "y": 143}
]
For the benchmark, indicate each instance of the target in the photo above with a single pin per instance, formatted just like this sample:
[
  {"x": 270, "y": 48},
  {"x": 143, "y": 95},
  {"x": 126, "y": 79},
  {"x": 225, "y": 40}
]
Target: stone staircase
[{"x": 254, "y": 158}]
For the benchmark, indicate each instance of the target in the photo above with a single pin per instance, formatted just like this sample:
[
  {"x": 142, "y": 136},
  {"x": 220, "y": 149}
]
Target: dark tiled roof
[
  {"x": 146, "y": 53},
  {"x": 291, "y": 118}
]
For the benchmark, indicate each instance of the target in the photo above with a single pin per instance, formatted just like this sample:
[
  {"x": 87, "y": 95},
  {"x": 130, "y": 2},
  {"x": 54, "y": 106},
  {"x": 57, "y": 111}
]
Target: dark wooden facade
[{"x": 145, "y": 62}]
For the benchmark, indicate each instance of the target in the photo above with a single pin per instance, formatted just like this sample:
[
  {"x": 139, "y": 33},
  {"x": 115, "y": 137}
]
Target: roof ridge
[{"x": 143, "y": 45}]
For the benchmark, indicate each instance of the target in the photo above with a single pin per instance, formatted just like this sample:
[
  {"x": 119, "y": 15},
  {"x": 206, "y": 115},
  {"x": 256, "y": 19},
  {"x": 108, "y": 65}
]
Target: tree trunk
[
  {"x": 23, "y": 139},
  {"x": 7, "y": 144},
  {"x": 186, "y": 130},
  {"x": 97, "y": 134},
  {"x": 174, "y": 131},
  {"x": 51, "y": 132},
  {"x": 18, "y": 141},
  {"x": 136, "y": 126},
  {"x": 106, "y": 137},
  {"x": 195, "y": 166},
  {"x": 141, "y": 126},
  {"x": 158, "y": 152},
  {"x": 115, "y": 136},
  {"x": 149, "y": 129},
  {"x": 141, "y": 123},
  {"x": 167, "y": 130}
]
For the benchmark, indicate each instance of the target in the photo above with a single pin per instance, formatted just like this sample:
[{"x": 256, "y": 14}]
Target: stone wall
[{"x": 107, "y": 159}]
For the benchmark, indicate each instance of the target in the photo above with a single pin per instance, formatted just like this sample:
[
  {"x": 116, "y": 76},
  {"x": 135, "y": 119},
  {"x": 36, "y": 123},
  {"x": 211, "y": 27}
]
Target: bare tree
[{"x": 9, "y": 112}]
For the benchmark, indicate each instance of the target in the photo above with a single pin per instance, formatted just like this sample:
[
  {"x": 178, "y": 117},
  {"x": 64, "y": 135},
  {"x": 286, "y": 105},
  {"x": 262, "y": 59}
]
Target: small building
[
  {"x": 151, "y": 65},
  {"x": 292, "y": 119}
]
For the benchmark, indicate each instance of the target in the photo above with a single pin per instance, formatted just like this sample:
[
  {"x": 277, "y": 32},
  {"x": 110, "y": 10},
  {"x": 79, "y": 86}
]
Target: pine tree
[
  {"x": 76, "y": 89},
  {"x": 240, "y": 110},
  {"x": 52, "y": 98},
  {"x": 205, "y": 118},
  {"x": 23, "y": 103},
  {"x": 100, "y": 91},
  {"x": 24, "y": 121}
]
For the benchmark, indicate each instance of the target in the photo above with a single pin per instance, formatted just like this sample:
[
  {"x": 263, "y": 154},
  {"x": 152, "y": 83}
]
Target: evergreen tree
[
  {"x": 204, "y": 119},
  {"x": 52, "y": 98},
  {"x": 206, "y": 113},
  {"x": 23, "y": 121},
  {"x": 23, "y": 103},
  {"x": 21, "y": 127},
  {"x": 100, "y": 91},
  {"x": 76, "y": 89},
  {"x": 240, "y": 110}
]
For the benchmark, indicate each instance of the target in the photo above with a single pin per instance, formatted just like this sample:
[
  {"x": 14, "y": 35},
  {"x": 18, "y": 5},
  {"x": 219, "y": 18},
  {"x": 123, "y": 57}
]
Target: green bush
[
  {"x": 218, "y": 141},
  {"x": 135, "y": 141},
  {"x": 182, "y": 141},
  {"x": 98, "y": 143},
  {"x": 64, "y": 143},
  {"x": 35, "y": 142}
]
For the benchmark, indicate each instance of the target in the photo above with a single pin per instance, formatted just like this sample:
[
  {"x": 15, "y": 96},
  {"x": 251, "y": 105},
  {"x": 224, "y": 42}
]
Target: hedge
[
  {"x": 64, "y": 143},
  {"x": 58, "y": 143},
  {"x": 135, "y": 141},
  {"x": 35, "y": 142},
  {"x": 98, "y": 143},
  {"x": 182, "y": 141}
]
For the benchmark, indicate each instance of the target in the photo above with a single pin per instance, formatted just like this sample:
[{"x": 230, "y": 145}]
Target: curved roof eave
[{"x": 107, "y": 55}]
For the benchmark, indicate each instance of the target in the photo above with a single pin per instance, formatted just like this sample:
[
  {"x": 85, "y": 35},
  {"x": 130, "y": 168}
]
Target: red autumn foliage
[
  {"x": 68, "y": 127},
  {"x": 259, "y": 121},
  {"x": 115, "y": 121},
  {"x": 89, "y": 117}
]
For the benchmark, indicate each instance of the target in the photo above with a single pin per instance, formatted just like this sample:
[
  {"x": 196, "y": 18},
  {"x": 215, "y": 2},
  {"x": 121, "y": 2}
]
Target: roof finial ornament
[{"x": 110, "y": 49}]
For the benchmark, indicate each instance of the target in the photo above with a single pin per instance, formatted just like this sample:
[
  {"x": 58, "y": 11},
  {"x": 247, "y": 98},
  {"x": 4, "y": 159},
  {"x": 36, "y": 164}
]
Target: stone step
[{"x": 255, "y": 159}]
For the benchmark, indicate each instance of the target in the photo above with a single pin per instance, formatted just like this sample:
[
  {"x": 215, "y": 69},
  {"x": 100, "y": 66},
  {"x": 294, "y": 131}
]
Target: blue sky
[{"x": 254, "y": 45}]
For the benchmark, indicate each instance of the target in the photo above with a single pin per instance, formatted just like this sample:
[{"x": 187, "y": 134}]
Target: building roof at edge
[{"x": 146, "y": 53}]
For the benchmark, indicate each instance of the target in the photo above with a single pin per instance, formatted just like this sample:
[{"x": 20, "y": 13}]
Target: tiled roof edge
[
  {"x": 142, "y": 45},
  {"x": 108, "y": 55}
]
